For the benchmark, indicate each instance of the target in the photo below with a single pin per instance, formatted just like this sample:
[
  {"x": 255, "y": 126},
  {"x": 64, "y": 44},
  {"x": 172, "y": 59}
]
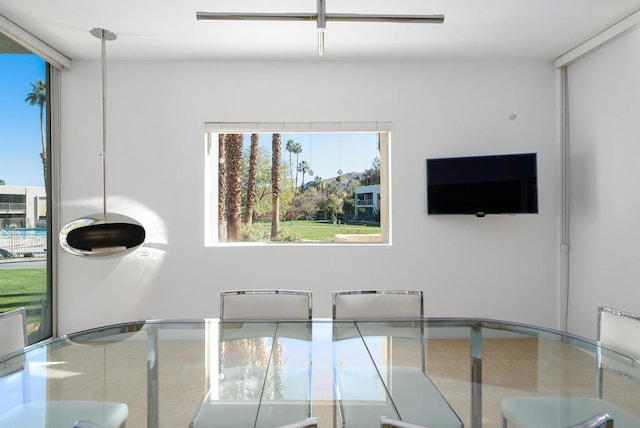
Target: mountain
[{"x": 345, "y": 180}]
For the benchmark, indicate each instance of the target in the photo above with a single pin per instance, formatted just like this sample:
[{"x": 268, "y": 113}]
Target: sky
[
  {"x": 20, "y": 141},
  {"x": 326, "y": 153}
]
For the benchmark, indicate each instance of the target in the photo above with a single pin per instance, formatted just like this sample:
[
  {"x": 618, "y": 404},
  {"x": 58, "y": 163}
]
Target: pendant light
[{"x": 102, "y": 234}]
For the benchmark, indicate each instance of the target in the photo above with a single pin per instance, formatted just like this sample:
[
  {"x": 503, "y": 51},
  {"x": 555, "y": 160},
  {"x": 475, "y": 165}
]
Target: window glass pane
[
  {"x": 23, "y": 194},
  {"x": 303, "y": 187}
]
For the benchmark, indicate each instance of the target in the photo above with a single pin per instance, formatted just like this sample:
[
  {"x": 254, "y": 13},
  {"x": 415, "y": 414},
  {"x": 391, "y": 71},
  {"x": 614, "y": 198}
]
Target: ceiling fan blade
[
  {"x": 230, "y": 16},
  {"x": 351, "y": 17}
]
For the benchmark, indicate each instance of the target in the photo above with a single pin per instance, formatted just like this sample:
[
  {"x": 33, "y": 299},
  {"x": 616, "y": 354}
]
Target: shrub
[
  {"x": 348, "y": 231},
  {"x": 286, "y": 235},
  {"x": 253, "y": 233}
]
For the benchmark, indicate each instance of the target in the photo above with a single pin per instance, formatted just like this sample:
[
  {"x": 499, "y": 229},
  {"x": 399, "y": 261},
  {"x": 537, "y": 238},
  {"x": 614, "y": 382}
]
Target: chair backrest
[
  {"x": 279, "y": 305},
  {"x": 13, "y": 332},
  {"x": 619, "y": 330},
  {"x": 394, "y": 423},
  {"x": 377, "y": 304},
  {"x": 86, "y": 424}
]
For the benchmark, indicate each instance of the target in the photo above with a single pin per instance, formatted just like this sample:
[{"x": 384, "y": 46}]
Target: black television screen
[{"x": 480, "y": 185}]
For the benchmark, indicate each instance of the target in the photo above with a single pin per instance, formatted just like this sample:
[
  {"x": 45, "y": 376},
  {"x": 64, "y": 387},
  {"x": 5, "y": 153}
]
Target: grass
[
  {"x": 23, "y": 280},
  {"x": 18, "y": 281},
  {"x": 322, "y": 230}
]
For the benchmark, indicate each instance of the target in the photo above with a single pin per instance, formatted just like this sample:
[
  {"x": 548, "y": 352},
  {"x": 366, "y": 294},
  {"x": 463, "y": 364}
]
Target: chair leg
[{"x": 505, "y": 423}]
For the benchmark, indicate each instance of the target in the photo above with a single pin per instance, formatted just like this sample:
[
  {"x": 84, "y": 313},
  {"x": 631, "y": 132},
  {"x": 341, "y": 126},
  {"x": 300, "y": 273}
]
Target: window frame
[
  {"x": 54, "y": 62},
  {"x": 32, "y": 208},
  {"x": 211, "y": 131}
]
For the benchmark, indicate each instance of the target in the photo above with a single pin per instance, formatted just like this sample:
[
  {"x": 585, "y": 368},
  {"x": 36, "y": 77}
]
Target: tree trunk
[
  {"x": 233, "y": 144},
  {"x": 43, "y": 154},
  {"x": 251, "y": 182},
  {"x": 296, "y": 183},
  {"x": 275, "y": 186},
  {"x": 222, "y": 189},
  {"x": 290, "y": 149}
]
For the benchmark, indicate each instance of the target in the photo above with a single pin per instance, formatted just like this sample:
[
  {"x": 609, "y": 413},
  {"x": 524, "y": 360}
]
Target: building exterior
[
  {"x": 367, "y": 202},
  {"x": 23, "y": 207}
]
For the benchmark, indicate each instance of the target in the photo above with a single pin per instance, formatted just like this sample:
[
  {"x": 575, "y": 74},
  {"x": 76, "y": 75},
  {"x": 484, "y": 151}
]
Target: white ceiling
[{"x": 168, "y": 29}]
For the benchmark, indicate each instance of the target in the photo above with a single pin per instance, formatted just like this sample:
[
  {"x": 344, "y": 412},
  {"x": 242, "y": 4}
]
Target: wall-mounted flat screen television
[{"x": 481, "y": 185}]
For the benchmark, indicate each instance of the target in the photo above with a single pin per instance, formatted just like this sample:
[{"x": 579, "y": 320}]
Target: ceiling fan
[{"x": 321, "y": 17}]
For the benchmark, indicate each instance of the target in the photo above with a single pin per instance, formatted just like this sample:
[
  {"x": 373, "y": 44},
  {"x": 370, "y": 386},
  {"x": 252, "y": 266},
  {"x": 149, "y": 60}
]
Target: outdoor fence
[{"x": 24, "y": 242}]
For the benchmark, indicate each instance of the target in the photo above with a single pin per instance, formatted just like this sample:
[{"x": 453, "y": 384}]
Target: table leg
[
  {"x": 476, "y": 377},
  {"x": 153, "y": 399}
]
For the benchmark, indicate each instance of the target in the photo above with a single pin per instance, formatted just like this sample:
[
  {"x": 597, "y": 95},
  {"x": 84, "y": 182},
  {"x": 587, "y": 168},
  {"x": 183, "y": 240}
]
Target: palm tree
[
  {"x": 222, "y": 189},
  {"x": 293, "y": 147},
  {"x": 317, "y": 183},
  {"x": 251, "y": 182},
  {"x": 39, "y": 97},
  {"x": 233, "y": 143},
  {"x": 371, "y": 175},
  {"x": 275, "y": 185},
  {"x": 305, "y": 168}
]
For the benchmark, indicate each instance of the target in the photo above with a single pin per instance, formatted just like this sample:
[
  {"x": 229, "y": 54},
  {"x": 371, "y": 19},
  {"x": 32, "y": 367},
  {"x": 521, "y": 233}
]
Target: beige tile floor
[{"x": 116, "y": 371}]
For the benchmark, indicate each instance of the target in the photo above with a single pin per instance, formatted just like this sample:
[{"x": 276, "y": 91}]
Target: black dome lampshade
[{"x": 102, "y": 234}]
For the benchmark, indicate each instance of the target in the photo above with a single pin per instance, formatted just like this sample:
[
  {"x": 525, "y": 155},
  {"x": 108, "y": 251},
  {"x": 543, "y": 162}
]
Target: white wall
[
  {"x": 604, "y": 103},
  {"x": 501, "y": 267}
]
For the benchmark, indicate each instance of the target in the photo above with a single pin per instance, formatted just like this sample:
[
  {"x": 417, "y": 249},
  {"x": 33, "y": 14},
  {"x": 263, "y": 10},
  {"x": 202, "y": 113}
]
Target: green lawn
[
  {"x": 21, "y": 281},
  {"x": 322, "y": 230},
  {"x": 18, "y": 281}
]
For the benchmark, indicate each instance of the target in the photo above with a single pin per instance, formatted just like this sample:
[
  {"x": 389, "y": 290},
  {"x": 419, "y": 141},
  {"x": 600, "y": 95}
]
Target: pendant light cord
[
  {"x": 104, "y": 36},
  {"x": 104, "y": 123}
]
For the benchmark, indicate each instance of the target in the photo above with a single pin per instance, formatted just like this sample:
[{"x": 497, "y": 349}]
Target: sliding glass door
[{"x": 25, "y": 272}]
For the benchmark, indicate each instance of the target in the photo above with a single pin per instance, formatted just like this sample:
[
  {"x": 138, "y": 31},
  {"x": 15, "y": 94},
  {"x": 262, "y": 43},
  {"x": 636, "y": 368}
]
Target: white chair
[
  {"x": 381, "y": 305},
  {"x": 265, "y": 305},
  {"x": 248, "y": 317},
  {"x": 377, "y": 304},
  {"x": 616, "y": 330},
  {"x": 13, "y": 339},
  {"x": 85, "y": 424},
  {"x": 394, "y": 423},
  {"x": 52, "y": 414},
  {"x": 414, "y": 395},
  {"x": 13, "y": 333}
]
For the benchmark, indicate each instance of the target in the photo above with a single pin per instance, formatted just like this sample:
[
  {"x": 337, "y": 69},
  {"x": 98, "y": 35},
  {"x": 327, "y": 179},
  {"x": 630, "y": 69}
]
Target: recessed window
[{"x": 300, "y": 184}]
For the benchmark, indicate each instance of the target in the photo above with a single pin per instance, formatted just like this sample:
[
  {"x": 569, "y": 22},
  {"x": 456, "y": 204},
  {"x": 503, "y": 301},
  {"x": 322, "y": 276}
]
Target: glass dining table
[{"x": 444, "y": 372}]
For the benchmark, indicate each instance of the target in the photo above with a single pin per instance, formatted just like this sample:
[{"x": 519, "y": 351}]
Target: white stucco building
[
  {"x": 22, "y": 207},
  {"x": 367, "y": 201}
]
